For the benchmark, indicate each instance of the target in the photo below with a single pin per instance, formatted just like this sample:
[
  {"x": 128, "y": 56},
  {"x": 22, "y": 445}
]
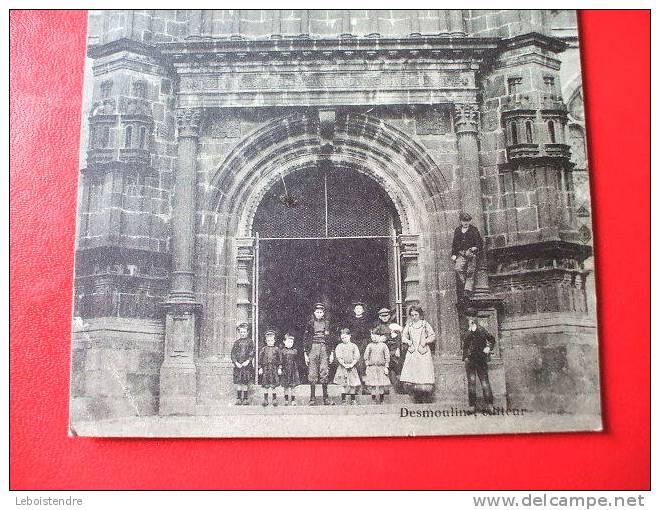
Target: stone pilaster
[
  {"x": 244, "y": 273},
  {"x": 466, "y": 124},
  {"x": 410, "y": 269},
  {"x": 178, "y": 378}
]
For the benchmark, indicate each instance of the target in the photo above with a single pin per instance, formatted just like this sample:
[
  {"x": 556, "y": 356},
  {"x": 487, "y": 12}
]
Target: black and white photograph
[{"x": 333, "y": 223}]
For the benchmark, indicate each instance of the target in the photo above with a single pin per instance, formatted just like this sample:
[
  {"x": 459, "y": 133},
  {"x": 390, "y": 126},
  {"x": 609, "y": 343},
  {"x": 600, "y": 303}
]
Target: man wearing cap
[
  {"x": 387, "y": 326},
  {"x": 465, "y": 250},
  {"x": 477, "y": 344},
  {"x": 318, "y": 353}
]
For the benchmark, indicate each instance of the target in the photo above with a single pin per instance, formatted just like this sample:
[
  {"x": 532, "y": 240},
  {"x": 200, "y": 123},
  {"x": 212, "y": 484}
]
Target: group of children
[{"x": 366, "y": 365}]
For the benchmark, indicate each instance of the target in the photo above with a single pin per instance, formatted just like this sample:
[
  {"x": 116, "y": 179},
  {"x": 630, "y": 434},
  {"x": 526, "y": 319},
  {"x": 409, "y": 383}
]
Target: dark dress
[
  {"x": 361, "y": 337},
  {"x": 243, "y": 350},
  {"x": 290, "y": 376},
  {"x": 269, "y": 360}
]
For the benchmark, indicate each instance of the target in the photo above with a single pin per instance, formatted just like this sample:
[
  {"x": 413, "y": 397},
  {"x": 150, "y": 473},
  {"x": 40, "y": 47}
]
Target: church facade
[{"x": 241, "y": 165}]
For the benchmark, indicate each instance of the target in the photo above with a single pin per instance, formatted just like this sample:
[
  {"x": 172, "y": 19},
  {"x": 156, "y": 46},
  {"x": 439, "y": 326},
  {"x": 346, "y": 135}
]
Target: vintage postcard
[{"x": 333, "y": 223}]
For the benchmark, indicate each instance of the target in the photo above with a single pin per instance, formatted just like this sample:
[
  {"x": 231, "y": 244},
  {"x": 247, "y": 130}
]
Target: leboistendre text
[
  {"x": 453, "y": 412},
  {"x": 48, "y": 501}
]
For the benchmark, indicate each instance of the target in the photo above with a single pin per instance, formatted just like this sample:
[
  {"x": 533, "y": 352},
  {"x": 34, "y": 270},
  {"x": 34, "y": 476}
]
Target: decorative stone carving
[
  {"x": 410, "y": 269},
  {"x": 103, "y": 107},
  {"x": 466, "y": 118},
  {"x": 188, "y": 121},
  {"x": 135, "y": 107},
  {"x": 582, "y": 211},
  {"x": 585, "y": 233}
]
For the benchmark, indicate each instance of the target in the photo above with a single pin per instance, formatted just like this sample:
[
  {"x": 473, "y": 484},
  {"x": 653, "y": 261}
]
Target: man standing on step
[
  {"x": 466, "y": 249},
  {"x": 477, "y": 346},
  {"x": 319, "y": 353}
]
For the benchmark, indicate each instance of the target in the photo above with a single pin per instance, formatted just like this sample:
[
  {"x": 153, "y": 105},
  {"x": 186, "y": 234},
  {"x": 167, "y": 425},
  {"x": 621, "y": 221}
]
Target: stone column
[
  {"x": 456, "y": 24},
  {"x": 304, "y": 23},
  {"x": 346, "y": 29},
  {"x": 414, "y": 24},
  {"x": 466, "y": 125},
  {"x": 178, "y": 379},
  {"x": 277, "y": 25},
  {"x": 236, "y": 25}
]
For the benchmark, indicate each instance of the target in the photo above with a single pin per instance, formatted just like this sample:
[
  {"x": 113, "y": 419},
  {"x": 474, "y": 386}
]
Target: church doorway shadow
[{"x": 296, "y": 273}]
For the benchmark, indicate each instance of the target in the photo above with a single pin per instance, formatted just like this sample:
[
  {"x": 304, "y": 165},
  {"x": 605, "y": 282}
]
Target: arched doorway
[
  {"x": 391, "y": 166},
  {"x": 325, "y": 234}
]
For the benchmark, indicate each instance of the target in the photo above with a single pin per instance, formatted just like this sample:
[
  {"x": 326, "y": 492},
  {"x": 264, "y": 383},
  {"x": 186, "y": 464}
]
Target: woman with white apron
[{"x": 417, "y": 372}]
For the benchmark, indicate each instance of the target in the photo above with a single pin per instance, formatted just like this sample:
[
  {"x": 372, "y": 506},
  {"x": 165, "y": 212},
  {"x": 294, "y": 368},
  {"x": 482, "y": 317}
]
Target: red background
[{"x": 47, "y": 57}]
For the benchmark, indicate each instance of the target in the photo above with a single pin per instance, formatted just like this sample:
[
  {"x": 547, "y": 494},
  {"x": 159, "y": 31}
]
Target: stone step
[
  {"x": 365, "y": 406},
  {"x": 303, "y": 392}
]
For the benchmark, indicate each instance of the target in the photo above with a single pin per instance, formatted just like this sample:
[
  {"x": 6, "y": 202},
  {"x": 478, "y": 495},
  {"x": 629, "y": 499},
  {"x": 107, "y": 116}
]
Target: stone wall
[
  {"x": 115, "y": 367},
  {"x": 505, "y": 23},
  {"x": 155, "y": 26},
  {"x": 150, "y": 26},
  {"x": 551, "y": 363}
]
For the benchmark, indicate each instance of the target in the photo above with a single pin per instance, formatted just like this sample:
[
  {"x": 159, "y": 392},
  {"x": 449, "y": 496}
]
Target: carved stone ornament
[
  {"x": 466, "y": 116},
  {"x": 188, "y": 121}
]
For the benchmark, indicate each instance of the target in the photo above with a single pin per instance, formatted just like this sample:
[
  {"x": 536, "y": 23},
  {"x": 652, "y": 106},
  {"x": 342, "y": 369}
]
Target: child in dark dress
[
  {"x": 270, "y": 367},
  {"x": 242, "y": 357},
  {"x": 290, "y": 376}
]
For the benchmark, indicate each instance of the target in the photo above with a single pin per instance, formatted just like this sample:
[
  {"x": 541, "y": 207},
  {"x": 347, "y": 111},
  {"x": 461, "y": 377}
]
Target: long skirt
[
  {"x": 418, "y": 370},
  {"x": 376, "y": 376}
]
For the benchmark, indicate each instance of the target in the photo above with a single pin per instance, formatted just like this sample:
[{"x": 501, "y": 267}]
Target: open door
[{"x": 255, "y": 307}]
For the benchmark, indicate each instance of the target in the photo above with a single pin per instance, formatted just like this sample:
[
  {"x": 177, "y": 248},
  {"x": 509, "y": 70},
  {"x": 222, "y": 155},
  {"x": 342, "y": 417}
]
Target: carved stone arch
[
  {"x": 401, "y": 167},
  {"x": 388, "y": 156}
]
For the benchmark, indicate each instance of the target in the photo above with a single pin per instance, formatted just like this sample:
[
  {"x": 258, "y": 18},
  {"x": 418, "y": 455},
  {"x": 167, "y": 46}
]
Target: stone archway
[{"x": 412, "y": 181}]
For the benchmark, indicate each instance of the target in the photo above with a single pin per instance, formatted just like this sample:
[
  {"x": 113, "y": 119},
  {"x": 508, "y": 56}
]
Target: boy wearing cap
[
  {"x": 387, "y": 327},
  {"x": 270, "y": 367},
  {"x": 465, "y": 248},
  {"x": 318, "y": 353},
  {"x": 242, "y": 357},
  {"x": 477, "y": 344}
]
